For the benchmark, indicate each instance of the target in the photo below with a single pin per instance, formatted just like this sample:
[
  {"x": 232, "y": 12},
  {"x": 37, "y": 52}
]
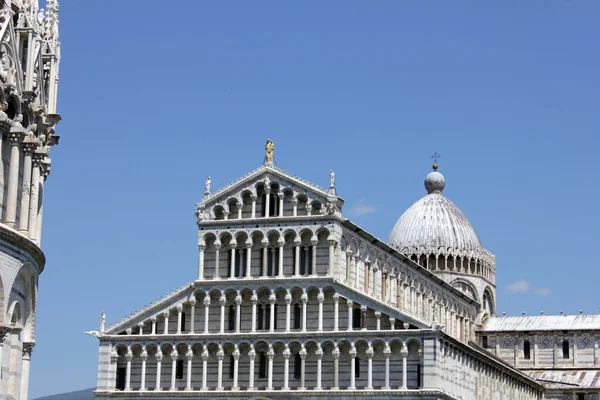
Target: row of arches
[
  {"x": 280, "y": 309},
  {"x": 289, "y": 252},
  {"x": 266, "y": 200},
  {"x": 264, "y": 365}
]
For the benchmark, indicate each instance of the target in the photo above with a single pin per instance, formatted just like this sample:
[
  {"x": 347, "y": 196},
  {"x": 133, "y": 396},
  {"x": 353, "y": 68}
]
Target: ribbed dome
[{"x": 431, "y": 223}]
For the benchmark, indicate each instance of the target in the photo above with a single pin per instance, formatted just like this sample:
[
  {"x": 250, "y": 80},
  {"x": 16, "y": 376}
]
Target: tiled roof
[{"x": 542, "y": 323}]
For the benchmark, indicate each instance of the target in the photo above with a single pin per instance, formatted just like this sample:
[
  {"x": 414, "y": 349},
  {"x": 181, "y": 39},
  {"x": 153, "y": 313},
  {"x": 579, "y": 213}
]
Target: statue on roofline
[
  {"x": 102, "y": 321},
  {"x": 269, "y": 150}
]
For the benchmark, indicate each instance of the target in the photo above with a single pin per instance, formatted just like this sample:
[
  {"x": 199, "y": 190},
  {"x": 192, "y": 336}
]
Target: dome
[{"x": 434, "y": 222}]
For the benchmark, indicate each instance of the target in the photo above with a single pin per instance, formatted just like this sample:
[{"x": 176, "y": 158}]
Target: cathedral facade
[
  {"x": 293, "y": 300},
  {"x": 30, "y": 55}
]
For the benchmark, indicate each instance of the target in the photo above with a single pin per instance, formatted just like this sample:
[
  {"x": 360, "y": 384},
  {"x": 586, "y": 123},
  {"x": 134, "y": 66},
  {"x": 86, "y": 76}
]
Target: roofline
[{"x": 387, "y": 248}]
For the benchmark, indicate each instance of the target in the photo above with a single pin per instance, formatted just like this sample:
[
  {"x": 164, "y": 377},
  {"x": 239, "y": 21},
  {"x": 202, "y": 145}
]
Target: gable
[{"x": 257, "y": 183}]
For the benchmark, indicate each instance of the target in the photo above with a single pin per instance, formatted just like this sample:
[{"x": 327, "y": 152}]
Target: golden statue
[{"x": 269, "y": 148}]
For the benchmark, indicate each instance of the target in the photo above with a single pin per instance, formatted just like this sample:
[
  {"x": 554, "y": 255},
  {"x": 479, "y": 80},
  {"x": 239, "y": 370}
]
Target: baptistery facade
[
  {"x": 30, "y": 54},
  {"x": 290, "y": 299}
]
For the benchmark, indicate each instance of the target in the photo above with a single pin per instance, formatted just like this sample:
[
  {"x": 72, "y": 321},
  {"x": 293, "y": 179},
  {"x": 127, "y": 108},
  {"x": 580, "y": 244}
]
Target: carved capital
[
  {"x": 27, "y": 350},
  {"x": 206, "y": 301}
]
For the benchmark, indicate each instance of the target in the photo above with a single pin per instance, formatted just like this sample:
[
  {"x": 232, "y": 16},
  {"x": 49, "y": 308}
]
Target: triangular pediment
[{"x": 268, "y": 176}]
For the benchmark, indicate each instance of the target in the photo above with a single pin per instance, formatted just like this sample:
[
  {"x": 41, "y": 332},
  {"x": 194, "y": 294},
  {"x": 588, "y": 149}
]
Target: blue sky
[{"x": 155, "y": 96}]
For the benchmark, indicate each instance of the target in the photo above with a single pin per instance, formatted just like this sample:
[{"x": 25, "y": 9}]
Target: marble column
[
  {"x": 370, "y": 354},
  {"x": 254, "y": 300},
  {"x": 238, "y": 312},
  {"x": 128, "y": 358},
  {"x": 206, "y": 302},
  {"x": 336, "y": 312},
  {"x": 304, "y": 301},
  {"x": 236, "y": 363},
  {"x": 15, "y": 139},
  {"x": 249, "y": 259},
  {"x": 220, "y": 357},
  {"x": 288, "y": 311},
  {"x": 335, "y": 353},
  {"x": 189, "y": 355},
  {"x": 265, "y": 258},
  {"x": 158, "y": 357},
  {"x": 251, "y": 357},
  {"x": 302, "y": 369},
  {"x": 295, "y": 207},
  {"x": 286, "y": 367},
  {"x": 280, "y": 245},
  {"x": 179, "y": 316},
  {"x": 320, "y": 300},
  {"x": 272, "y": 300},
  {"x": 352, "y": 368},
  {"x": 201, "y": 249},
  {"x": 222, "y": 302},
  {"x": 36, "y": 179},
  {"x": 404, "y": 354},
  {"x": 270, "y": 356},
  {"x": 280, "y": 195},
  {"x": 166, "y": 328},
  {"x": 331, "y": 259},
  {"x": 387, "y": 352},
  {"x": 267, "y": 202},
  {"x": 174, "y": 355},
  {"x": 378, "y": 318},
  {"x": 319, "y": 355},
  {"x": 204, "y": 356},
  {"x": 28, "y": 148},
  {"x": 350, "y": 314},
  {"x": 192, "y": 314},
  {"x": 153, "y": 321},
  {"x": 253, "y": 197},
  {"x": 26, "y": 363}
]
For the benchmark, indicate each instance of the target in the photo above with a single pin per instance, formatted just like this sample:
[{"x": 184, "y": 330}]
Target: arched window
[
  {"x": 260, "y": 315},
  {"x": 356, "y": 318},
  {"x": 275, "y": 317},
  {"x": 231, "y": 318},
  {"x": 527, "y": 350},
  {"x": 297, "y": 316},
  {"x": 565, "y": 349},
  {"x": 179, "y": 369},
  {"x": 231, "y": 364},
  {"x": 183, "y": 322},
  {"x": 262, "y": 365},
  {"x": 297, "y": 366},
  {"x": 357, "y": 367}
]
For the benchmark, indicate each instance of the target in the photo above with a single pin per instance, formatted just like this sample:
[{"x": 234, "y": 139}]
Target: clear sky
[{"x": 157, "y": 95}]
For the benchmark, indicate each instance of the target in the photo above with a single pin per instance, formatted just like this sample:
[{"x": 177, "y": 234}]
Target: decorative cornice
[{"x": 17, "y": 239}]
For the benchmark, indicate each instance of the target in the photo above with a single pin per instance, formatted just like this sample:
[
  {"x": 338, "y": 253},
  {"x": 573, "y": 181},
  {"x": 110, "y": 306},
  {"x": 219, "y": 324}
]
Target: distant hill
[{"x": 78, "y": 395}]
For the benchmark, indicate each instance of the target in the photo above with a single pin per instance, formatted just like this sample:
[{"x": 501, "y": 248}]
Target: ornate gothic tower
[{"x": 30, "y": 54}]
